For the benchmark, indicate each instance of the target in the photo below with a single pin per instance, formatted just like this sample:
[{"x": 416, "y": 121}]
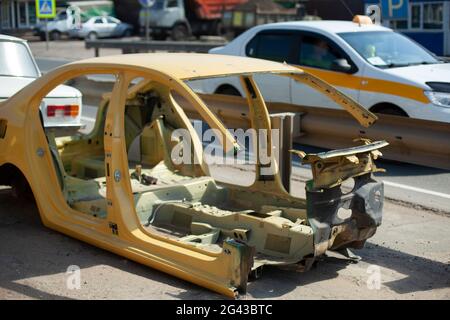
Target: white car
[
  {"x": 57, "y": 27},
  {"x": 381, "y": 69},
  {"x": 102, "y": 27},
  {"x": 61, "y": 108}
]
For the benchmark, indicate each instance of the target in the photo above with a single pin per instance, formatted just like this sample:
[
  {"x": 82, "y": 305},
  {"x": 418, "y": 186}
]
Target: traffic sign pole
[
  {"x": 147, "y": 24},
  {"x": 46, "y": 34},
  {"x": 46, "y": 9},
  {"x": 147, "y": 4}
]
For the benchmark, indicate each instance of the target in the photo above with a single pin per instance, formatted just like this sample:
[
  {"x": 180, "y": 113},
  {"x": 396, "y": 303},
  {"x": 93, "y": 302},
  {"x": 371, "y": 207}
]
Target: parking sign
[
  {"x": 45, "y": 8},
  {"x": 395, "y": 9}
]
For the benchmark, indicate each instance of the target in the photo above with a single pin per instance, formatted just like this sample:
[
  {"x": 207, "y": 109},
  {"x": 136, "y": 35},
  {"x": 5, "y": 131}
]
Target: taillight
[{"x": 69, "y": 110}]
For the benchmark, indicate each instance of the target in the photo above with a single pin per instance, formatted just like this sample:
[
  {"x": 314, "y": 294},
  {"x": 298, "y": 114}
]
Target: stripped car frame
[{"x": 176, "y": 217}]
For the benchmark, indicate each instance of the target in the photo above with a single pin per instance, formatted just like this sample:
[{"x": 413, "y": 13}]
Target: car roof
[
  {"x": 329, "y": 26},
  {"x": 189, "y": 66},
  {"x": 4, "y": 37}
]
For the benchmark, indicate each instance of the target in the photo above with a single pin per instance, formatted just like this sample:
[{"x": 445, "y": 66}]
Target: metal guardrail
[
  {"x": 136, "y": 46},
  {"x": 413, "y": 141}
]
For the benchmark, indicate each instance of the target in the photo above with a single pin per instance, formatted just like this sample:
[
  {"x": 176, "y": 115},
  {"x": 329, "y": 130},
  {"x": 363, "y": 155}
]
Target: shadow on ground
[{"x": 28, "y": 249}]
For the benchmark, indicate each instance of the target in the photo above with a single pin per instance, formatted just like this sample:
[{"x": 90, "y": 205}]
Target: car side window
[
  {"x": 98, "y": 20},
  {"x": 271, "y": 46},
  {"x": 250, "y": 49},
  {"x": 317, "y": 52}
]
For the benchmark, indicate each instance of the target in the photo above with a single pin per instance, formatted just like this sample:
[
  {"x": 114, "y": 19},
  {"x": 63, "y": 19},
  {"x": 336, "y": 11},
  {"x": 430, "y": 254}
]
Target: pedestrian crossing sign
[{"x": 45, "y": 8}]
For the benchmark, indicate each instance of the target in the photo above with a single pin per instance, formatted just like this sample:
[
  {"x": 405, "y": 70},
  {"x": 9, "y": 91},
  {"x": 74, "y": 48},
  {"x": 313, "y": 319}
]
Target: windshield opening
[
  {"x": 16, "y": 60},
  {"x": 386, "y": 49}
]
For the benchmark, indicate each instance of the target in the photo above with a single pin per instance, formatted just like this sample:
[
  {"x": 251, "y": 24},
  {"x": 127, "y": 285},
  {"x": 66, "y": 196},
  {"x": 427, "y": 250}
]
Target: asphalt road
[{"x": 409, "y": 254}]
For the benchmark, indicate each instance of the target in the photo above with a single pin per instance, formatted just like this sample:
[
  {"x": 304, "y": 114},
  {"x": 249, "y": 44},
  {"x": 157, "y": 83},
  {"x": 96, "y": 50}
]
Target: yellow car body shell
[{"x": 24, "y": 145}]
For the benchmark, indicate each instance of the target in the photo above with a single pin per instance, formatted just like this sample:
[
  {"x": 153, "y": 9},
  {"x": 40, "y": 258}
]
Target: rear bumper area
[{"x": 345, "y": 220}]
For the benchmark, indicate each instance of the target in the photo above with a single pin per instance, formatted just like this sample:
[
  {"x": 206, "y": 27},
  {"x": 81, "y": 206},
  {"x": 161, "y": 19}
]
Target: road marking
[{"x": 420, "y": 190}]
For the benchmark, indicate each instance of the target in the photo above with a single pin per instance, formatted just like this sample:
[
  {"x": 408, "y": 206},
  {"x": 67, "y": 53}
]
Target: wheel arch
[
  {"x": 184, "y": 23},
  {"x": 380, "y": 106},
  {"x": 224, "y": 86},
  {"x": 11, "y": 175},
  {"x": 7, "y": 171}
]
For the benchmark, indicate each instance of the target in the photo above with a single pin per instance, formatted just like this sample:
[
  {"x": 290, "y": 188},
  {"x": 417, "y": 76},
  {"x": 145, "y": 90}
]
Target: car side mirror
[{"x": 341, "y": 65}]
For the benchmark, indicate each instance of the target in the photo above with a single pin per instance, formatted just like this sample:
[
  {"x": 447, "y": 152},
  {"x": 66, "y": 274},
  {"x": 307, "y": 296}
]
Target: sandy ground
[{"x": 411, "y": 250}]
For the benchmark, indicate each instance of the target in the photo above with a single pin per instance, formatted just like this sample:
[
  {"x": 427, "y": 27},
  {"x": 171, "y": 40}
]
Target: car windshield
[
  {"x": 387, "y": 49},
  {"x": 158, "y": 5},
  {"x": 16, "y": 60}
]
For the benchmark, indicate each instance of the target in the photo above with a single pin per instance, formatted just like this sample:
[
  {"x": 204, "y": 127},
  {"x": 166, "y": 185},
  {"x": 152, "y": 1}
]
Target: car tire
[
  {"x": 55, "y": 35},
  {"x": 180, "y": 32},
  {"x": 127, "y": 33},
  {"x": 92, "y": 36},
  {"x": 20, "y": 189}
]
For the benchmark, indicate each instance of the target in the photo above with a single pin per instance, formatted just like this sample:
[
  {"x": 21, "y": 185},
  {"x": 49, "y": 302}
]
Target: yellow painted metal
[
  {"x": 189, "y": 66},
  {"x": 362, "y": 115},
  {"x": 25, "y": 146},
  {"x": 332, "y": 168}
]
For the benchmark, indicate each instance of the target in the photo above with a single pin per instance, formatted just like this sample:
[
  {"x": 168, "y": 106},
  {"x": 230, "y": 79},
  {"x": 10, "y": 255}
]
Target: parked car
[
  {"x": 102, "y": 27},
  {"x": 383, "y": 70},
  {"x": 122, "y": 187},
  {"x": 57, "y": 27},
  {"x": 61, "y": 107}
]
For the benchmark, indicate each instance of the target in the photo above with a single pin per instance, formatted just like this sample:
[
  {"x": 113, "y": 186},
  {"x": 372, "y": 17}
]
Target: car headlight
[{"x": 441, "y": 99}]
